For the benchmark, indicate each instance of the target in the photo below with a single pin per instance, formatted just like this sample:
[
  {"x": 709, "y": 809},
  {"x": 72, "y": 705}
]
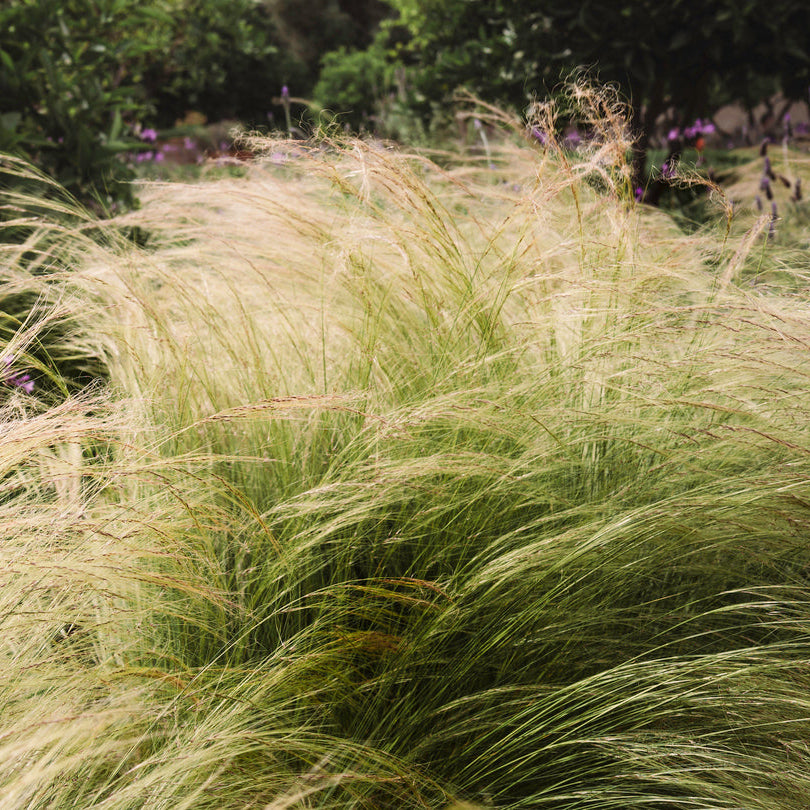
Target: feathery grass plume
[{"x": 415, "y": 489}]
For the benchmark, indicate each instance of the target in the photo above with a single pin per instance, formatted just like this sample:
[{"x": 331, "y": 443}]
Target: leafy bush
[
  {"x": 80, "y": 78},
  {"x": 372, "y": 89},
  {"x": 70, "y": 87},
  {"x": 352, "y": 84},
  {"x": 224, "y": 60},
  {"x": 509, "y": 50}
]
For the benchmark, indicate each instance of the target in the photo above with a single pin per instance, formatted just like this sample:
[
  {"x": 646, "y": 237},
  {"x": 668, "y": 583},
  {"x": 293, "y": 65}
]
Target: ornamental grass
[{"x": 395, "y": 481}]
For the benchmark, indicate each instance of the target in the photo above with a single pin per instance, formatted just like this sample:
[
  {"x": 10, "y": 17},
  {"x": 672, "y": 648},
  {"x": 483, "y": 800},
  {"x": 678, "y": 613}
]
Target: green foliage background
[
  {"x": 681, "y": 54},
  {"x": 80, "y": 77},
  {"x": 72, "y": 75}
]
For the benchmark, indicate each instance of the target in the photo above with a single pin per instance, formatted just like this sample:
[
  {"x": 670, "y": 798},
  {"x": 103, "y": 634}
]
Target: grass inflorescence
[{"x": 406, "y": 486}]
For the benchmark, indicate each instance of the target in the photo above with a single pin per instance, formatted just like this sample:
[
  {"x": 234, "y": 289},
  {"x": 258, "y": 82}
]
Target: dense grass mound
[{"x": 410, "y": 488}]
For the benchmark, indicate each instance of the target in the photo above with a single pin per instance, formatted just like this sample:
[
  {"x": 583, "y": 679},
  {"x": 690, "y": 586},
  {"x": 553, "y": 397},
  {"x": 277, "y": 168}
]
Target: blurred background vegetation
[
  {"x": 82, "y": 80},
  {"x": 90, "y": 88}
]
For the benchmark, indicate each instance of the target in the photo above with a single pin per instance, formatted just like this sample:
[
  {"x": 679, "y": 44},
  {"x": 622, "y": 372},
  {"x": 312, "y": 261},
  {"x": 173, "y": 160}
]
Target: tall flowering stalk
[{"x": 285, "y": 102}]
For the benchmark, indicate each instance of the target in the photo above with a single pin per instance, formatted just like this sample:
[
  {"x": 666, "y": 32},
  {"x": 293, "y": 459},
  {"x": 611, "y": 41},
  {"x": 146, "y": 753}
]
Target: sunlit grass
[{"x": 407, "y": 487}]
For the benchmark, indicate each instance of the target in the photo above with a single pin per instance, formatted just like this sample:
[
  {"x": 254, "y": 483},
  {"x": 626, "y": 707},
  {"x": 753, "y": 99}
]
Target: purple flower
[
  {"x": 539, "y": 135},
  {"x": 639, "y": 193},
  {"x": 765, "y": 185},
  {"x": 285, "y": 92},
  {"x": 673, "y": 134},
  {"x": 23, "y": 381},
  {"x": 700, "y": 127},
  {"x": 149, "y": 135},
  {"x": 13, "y": 379}
]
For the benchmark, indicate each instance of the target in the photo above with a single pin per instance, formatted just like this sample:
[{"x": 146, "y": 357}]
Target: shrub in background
[
  {"x": 309, "y": 30},
  {"x": 71, "y": 87},
  {"x": 80, "y": 78},
  {"x": 509, "y": 50},
  {"x": 352, "y": 85},
  {"x": 373, "y": 89},
  {"x": 224, "y": 60}
]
